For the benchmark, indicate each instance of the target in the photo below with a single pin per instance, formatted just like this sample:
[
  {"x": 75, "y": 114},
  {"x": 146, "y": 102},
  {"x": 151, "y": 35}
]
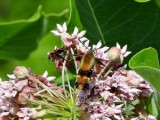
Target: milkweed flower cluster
[
  {"x": 113, "y": 93},
  {"x": 20, "y": 91},
  {"x": 111, "y": 87}
]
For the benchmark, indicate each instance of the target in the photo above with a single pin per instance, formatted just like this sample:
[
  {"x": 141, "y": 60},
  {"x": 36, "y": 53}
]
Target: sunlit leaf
[
  {"x": 146, "y": 64},
  {"x": 142, "y": 0}
]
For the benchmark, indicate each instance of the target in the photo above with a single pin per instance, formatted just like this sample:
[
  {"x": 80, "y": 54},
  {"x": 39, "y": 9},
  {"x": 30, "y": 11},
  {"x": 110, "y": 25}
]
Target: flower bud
[
  {"x": 114, "y": 54},
  {"x": 20, "y": 72}
]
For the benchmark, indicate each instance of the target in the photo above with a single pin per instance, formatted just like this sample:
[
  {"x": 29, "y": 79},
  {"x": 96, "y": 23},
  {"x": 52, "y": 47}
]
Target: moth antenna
[{"x": 82, "y": 43}]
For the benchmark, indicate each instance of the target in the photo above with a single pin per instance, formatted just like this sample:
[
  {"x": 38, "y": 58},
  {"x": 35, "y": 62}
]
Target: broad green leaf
[
  {"x": 154, "y": 106},
  {"x": 142, "y": 0},
  {"x": 74, "y": 14},
  {"x": 146, "y": 64},
  {"x": 19, "y": 38},
  {"x": 16, "y": 38},
  {"x": 123, "y": 21},
  {"x": 146, "y": 57}
]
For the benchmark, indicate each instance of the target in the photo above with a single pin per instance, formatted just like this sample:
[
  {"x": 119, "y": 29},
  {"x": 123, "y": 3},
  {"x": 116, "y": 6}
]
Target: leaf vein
[
  {"x": 115, "y": 14},
  {"x": 130, "y": 19},
  {"x": 151, "y": 30},
  {"x": 94, "y": 16},
  {"x": 98, "y": 4}
]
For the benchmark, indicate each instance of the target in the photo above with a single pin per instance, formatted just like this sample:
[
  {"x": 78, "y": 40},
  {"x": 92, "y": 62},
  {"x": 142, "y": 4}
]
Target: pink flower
[
  {"x": 124, "y": 51},
  {"x": 100, "y": 86},
  {"x": 25, "y": 114},
  {"x": 83, "y": 99},
  {"x": 69, "y": 40},
  {"x": 62, "y": 33},
  {"x": 99, "y": 51},
  {"x": 109, "y": 98},
  {"x": 46, "y": 80},
  {"x": 113, "y": 111},
  {"x": 95, "y": 107}
]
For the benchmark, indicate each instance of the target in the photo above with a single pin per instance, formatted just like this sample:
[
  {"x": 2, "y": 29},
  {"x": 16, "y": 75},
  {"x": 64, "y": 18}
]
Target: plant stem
[
  {"x": 103, "y": 70},
  {"x": 74, "y": 60},
  {"x": 69, "y": 86}
]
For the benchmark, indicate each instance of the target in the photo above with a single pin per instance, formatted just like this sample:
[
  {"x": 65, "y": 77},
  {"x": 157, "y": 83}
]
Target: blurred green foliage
[
  {"x": 51, "y": 13},
  {"x": 22, "y": 9}
]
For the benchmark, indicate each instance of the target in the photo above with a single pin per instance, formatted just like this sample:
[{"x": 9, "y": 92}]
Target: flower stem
[
  {"x": 74, "y": 60},
  {"x": 108, "y": 72},
  {"x": 43, "y": 85},
  {"x": 103, "y": 70}
]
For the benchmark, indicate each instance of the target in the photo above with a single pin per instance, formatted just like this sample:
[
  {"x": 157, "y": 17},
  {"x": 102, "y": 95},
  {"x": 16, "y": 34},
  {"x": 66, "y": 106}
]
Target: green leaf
[
  {"x": 74, "y": 14},
  {"x": 146, "y": 64},
  {"x": 142, "y": 0},
  {"x": 123, "y": 21},
  {"x": 19, "y": 38},
  {"x": 154, "y": 107},
  {"x": 146, "y": 57},
  {"x": 128, "y": 109}
]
